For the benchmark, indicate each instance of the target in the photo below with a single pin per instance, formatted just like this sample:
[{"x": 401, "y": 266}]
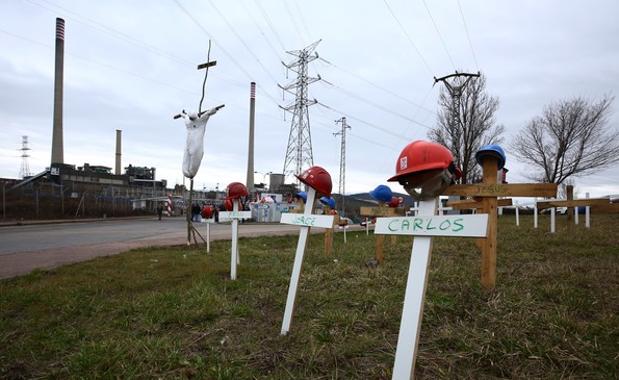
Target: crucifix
[
  {"x": 492, "y": 158},
  {"x": 194, "y": 145},
  {"x": 318, "y": 181},
  {"x": 425, "y": 170}
]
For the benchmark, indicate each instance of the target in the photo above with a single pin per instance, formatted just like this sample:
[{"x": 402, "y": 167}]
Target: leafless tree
[
  {"x": 571, "y": 138},
  {"x": 467, "y": 123}
]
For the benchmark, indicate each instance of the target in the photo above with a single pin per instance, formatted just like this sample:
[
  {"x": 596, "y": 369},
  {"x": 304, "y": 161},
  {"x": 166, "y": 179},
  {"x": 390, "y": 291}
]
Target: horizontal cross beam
[
  {"x": 381, "y": 211},
  {"x": 207, "y": 64},
  {"x": 573, "y": 203},
  {"x": 503, "y": 190},
  {"x": 471, "y": 203}
]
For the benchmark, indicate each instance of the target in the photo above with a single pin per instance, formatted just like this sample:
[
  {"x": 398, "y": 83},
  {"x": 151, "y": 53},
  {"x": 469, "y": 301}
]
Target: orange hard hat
[
  {"x": 317, "y": 178},
  {"x": 235, "y": 190},
  {"x": 419, "y": 156}
]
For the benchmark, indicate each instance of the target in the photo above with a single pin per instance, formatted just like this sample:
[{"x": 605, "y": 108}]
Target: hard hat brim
[{"x": 417, "y": 169}]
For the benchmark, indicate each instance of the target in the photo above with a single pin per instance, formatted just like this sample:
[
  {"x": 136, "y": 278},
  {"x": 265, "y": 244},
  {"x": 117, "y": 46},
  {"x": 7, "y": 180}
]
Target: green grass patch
[{"x": 174, "y": 313}]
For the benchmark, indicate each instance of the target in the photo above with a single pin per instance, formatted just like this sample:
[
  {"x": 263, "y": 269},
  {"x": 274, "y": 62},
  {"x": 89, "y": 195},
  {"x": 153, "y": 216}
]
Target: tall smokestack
[
  {"x": 118, "y": 151},
  {"x": 57, "y": 144},
  {"x": 250, "y": 151}
]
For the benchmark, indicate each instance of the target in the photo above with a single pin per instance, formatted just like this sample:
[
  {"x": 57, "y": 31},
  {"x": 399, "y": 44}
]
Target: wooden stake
[
  {"x": 569, "y": 189},
  {"x": 380, "y": 243},
  {"x": 488, "y": 252}
]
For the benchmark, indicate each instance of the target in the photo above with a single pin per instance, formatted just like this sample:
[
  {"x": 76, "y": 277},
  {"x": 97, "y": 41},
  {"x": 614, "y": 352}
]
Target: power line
[
  {"x": 294, "y": 22},
  {"x": 268, "y": 41},
  {"x": 364, "y": 122},
  {"x": 303, "y": 23},
  {"x": 390, "y": 92},
  {"x": 378, "y": 106},
  {"x": 468, "y": 37},
  {"x": 226, "y": 53},
  {"x": 269, "y": 23},
  {"x": 439, "y": 34},
  {"x": 238, "y": 36},
  {"x": 408, "y": 37}
]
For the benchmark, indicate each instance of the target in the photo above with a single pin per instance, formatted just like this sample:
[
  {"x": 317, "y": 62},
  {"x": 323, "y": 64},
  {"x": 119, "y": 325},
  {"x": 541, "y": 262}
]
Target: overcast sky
[{"x": 132, "y": 65}]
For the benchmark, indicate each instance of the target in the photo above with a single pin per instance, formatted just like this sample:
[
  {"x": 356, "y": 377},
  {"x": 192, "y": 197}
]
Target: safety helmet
[
  {"x": 328, "y": 201},
  {"x": 235, "y": 190},
  {"x": 395, "y": 201},
  {"x": 492, "y": 150},
  {"x": 317, "y": 178},
  {"x": 207, "y": 212},
  {"x": 381, "y": 193},
  {"x": 302, "y": 195},
  {"x": 420, "y": 156}
]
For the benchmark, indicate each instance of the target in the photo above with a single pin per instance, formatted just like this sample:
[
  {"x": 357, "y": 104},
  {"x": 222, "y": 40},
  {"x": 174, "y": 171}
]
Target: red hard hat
[
  {"x": 235, "y": 190},
  {"x": 420, "y": 156},
  {"x": 317, "y": 178},
  {"x": 228, "y": 204},
  {"x": 207, "y": 212},
  {"x": 395, "y": 201}
]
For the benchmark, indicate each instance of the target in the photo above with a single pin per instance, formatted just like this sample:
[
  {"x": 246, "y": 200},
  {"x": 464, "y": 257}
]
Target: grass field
[{"x": 173, "y": 312}]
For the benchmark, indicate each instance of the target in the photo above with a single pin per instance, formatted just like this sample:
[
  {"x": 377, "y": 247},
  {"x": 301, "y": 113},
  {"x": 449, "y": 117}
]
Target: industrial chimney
[
  {"x": 57, "y": 144},
  {"x": 250, "y": 151},
  {"x": 118, "y": 151}
]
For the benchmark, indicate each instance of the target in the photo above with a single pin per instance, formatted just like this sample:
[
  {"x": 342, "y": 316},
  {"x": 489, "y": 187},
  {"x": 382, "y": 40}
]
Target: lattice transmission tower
[
  {"x": 342, "y": 182},
  {"x": 299, "y": 150},
  {"x": 24, "y": 170}
]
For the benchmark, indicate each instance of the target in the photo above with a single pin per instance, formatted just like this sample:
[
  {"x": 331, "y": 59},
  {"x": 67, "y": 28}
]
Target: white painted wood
[
  {"x": 587, "y": 214},
  {"x": 298, "y": 262},
  {"x": 535, "y": 216},
  {"x": 500, "y": 211},
  {"x": 234, "y": 251},
  {"x": 412, "y": 311},
  {"x": 441, "y": 210},
  {"x": 367, "y": 226},
  {"x": 434, "y": 225},
  {"x": 345, "y": 228},
  {"x": 517, "y": 216},
  {"x": 552, "y": 220},
  {"x": 323, "y": 221},
  {"x": 576, "y": 215},
  {"x": 234, "y": 215}
]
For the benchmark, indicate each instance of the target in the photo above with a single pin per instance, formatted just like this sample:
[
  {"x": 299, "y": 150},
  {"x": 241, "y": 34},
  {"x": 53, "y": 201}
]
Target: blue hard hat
[
  {"x": 382, "y": 193},
  {"x": 302, "y": 195},
  {"x": 328, "y": 201},
  {"x": 494, "y": 150}
]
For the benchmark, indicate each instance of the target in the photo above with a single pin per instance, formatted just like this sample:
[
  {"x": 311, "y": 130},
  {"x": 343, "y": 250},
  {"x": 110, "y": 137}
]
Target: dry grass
[{"x": 173, "y": 312}]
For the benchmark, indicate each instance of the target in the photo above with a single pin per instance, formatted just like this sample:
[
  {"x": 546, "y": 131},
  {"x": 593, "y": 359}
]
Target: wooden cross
[
  {"x": 235, "y": 215},
  {"x": 489, "y": 190},
  {"x": 380, "y": 210},
  {"x": 572, "y": 204},
  {"x": 423, "y": 227},
  {"x": 305, "y": 221}
]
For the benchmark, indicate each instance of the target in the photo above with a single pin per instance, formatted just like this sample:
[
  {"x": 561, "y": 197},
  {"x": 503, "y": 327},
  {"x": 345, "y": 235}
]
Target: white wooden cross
[
  {"x": 234, "y": 215},
  {"x": 306, "y": 221},
  {"x": 208, "y": 233},
  {"x": 423, "y": 226}
]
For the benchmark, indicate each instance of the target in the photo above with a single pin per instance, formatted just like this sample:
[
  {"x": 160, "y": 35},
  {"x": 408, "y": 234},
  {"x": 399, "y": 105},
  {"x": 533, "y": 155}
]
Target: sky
[{"x": 132, "y": 66}]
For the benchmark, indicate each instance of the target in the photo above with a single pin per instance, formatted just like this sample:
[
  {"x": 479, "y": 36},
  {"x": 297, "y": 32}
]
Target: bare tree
[
  {"x": 571, "y": 138},
  {"x": 466, "y": 123}
]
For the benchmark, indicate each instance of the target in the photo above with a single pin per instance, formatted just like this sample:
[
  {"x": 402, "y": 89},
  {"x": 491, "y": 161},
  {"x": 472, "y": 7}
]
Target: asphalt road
[{"x": 24, "y": 248}]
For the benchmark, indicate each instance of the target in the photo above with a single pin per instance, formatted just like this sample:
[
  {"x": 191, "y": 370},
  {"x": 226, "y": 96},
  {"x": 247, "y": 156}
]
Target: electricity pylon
[
  {"x": 24, "y": 170},
  {"x": 342, "y": 182},
  {"x": 299, "y": 150},
  {"x": 456, "y": 90}
]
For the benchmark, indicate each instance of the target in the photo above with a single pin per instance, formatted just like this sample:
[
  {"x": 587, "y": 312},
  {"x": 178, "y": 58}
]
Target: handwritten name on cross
[
  {"x": 305, "y": 221},
  {"x": 235, "y": 215}
]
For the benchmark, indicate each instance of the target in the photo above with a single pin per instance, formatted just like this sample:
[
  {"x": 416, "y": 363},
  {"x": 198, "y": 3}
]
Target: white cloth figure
[{"x": 194, "y": 146}]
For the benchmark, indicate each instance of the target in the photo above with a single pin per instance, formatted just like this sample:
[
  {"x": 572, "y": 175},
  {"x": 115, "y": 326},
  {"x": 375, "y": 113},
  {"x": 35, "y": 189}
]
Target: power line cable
[
  {"x": 268, "y": 41},
  {"x": 468, "y": 37},
  {"x": 439, "y": 34},
  {"x": 376, "y": 105},
  {"x": 226, "y": 53},
  {"x": 303, "y": 23},
  {"x": 269, "y": 23},
  {"x": 388, "y": 91},
  {"x": 385, "y": 130},
  {"x": 294, "y": 22},
  {"x": 408, "y": 37},
  {"x": 238, "y": 36}
]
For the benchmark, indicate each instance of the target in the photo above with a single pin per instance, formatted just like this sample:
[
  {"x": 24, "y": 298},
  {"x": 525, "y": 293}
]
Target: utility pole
[
  {"x": 299, "y": 150},
  {"x": 342, "y": 182},
  {"x": 24, "y": 170},
  {"x": 456, "y": 87}
]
